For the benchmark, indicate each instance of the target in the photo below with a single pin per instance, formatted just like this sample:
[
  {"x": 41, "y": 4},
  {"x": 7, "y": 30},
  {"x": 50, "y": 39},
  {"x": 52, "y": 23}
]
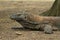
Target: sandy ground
[{"x": 6, "y": 33}]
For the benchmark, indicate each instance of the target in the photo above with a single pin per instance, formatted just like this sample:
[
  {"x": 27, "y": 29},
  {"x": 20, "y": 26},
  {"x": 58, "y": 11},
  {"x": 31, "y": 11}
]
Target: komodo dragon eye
[{"x": 25, "y": 17}]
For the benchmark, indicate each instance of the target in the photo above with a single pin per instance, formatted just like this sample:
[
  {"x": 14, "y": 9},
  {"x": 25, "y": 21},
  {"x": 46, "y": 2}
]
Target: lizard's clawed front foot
[{"x": 48, "y": 29}]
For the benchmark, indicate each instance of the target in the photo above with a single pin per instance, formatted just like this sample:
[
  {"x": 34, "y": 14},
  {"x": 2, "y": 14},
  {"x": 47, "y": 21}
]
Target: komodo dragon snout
[{"x": 18, "y": 16}]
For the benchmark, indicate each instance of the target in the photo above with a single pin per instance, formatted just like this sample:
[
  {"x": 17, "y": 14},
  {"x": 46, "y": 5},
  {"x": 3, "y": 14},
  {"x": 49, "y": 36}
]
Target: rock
[{"x": 18, "y": 33}]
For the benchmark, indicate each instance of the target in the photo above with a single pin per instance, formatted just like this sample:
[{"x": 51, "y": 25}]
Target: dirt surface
[{"x": 6, "y": 33}]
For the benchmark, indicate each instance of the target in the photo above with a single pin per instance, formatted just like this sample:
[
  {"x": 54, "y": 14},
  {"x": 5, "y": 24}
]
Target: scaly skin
[{"x": 33, "y": 21}]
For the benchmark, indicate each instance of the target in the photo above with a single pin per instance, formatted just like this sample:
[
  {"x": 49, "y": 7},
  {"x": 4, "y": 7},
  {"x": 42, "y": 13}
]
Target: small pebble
[{"x": 18, "y": 33}]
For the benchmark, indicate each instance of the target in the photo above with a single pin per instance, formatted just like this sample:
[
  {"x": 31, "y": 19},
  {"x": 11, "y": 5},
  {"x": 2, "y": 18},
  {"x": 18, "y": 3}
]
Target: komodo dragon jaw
[{"x": 27, "y": 23}]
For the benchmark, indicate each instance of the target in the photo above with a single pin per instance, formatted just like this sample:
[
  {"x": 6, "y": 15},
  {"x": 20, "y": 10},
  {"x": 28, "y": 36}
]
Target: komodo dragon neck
[{"x": 42, "y": 19}]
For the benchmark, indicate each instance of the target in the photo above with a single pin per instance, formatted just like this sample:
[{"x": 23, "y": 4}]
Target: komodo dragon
[{"x": 33, "y": 21}]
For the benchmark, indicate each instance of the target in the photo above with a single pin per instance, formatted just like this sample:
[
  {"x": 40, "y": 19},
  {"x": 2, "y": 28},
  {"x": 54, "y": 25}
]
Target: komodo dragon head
[
  {"x": 25, "y": 17},
  {"x": 18, "y": 16}
]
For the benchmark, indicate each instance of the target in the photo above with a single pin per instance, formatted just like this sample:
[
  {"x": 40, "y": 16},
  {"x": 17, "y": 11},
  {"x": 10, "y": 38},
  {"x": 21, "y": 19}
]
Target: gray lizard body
[{"x": 33, "y": 21}]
